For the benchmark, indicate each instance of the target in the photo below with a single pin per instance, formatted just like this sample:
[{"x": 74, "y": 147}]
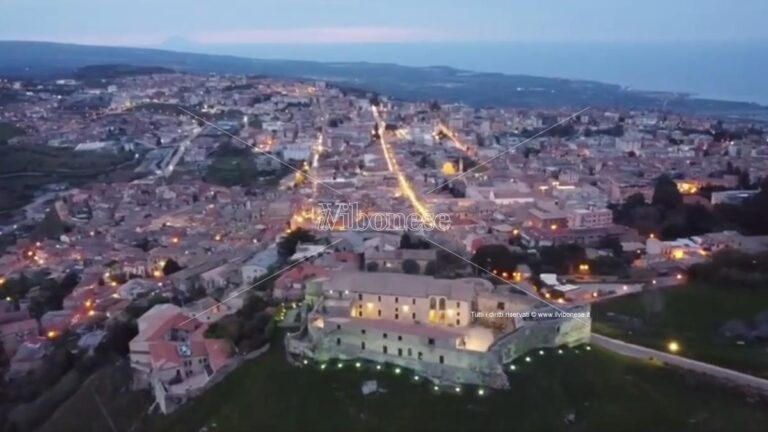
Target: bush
[{"x": 411, "y": 267}]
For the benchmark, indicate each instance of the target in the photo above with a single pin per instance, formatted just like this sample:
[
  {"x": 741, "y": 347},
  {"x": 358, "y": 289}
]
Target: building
[
  {"x": 453, "y": 332},
  {"x": 14, "y": 333},
  {"x": 171, "y": 356},
  {"x": 736, "y": 197},
  {"x": 552, "y": 220},
  {"x": 589, "y": 218},
  {"x": 392, "y": 260}
]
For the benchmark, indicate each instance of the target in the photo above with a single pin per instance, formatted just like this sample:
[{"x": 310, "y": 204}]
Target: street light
[{"x": 673, "y": 347}]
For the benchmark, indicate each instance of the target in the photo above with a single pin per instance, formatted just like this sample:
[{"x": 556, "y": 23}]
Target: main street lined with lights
[
  {"x": 405, "y": 187},
  {"x": 454, "y": 137}
]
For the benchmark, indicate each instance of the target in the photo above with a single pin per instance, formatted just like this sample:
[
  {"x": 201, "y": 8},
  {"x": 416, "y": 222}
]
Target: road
[
  {"x": 441, "y": 127},
  {"x": 720, "y": 373},
  {"x": 405, "y": 186},
  {"x": 169, "y": 163}
]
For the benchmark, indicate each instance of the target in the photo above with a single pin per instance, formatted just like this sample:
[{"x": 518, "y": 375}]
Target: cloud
[{"x": 321, "y": 35}]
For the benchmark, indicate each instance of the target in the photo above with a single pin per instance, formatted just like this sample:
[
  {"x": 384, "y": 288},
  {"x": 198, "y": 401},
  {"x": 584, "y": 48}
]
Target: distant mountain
[{"x": 43, "y": 60}]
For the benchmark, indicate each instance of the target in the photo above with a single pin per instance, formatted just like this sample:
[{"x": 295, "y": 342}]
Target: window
[
  {"x": 379, "y": 298},
  {"x": 399, "y": 337},
  {"x": 458, "y": 322},
  {"x": 359, "y": 314},
  {"x": 360, "y": 297},
  {"x": 385, "y": 335},
  {"x": 442, "y": 360},
  {"x": 500, "y": 305},
  {"x": 432, "y": 303},
  {"x": 458, "y": 305},
  {"x": 400, "y": 352},
  {"x": 338, "y": 326},
  {"x": 442, "y": 304},
  {"x": 362, "y": 345},
  {"x": 397, "y": 309},
  {"x": 362, "y": 331},
  {"x": 385, "y": 349},
  {"x": 420, "y": 356},
  {"x": 379, "y": 312},
  {"x": 413, "y": 301},
  {"x": 397, "y": 317},
  {"x": 397, "y": 299},
  {"x": 431, "y": 341},
  {"x": 414, "y": 315},
  {"x": 409, "y": 352},
  {"x": 338, "y": 341}
]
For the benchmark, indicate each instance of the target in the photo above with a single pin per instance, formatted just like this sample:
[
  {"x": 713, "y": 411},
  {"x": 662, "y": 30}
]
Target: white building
[
  {"x": 589, "y": 218},
  {"x": 172, "y": 357},
  {"x": 451, "y": 331}
]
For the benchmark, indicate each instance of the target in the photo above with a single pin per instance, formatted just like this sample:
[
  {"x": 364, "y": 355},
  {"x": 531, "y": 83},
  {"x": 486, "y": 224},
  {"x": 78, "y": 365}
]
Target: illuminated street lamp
[{"x": 673, "y": 347}]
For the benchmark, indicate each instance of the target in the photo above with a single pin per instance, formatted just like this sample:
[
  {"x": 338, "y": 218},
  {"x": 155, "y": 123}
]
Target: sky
[{"x": 152, "y": 22}]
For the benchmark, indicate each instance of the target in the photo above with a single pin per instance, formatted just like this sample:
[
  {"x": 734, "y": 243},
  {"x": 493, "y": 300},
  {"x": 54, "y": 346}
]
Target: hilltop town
[{"x": 180, "y": 222}]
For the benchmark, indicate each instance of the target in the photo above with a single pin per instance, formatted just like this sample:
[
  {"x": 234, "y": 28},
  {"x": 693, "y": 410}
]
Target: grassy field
[
  {"x": 8, "y": 131},
  {"x": 691, "y": 315},
  {"x": 50, "y": 165},
  {"x": 602, "y": 392},
  {"x": 82, "y": 411},
  {"x": 234, "y": 166}
]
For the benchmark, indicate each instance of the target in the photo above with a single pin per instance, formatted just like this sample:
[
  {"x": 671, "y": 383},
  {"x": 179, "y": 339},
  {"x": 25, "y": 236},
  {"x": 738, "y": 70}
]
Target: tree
[
  {"x": 666, "y": 194},
  {"x": 287, "y": 246},
  {"x": 562, "y": 259},
  {"x": 372, "y": 266},
  {"x": 411, "y": 267},
  {"x": 171, "y": 267},
  {"x": 613, "y": 244},
  {"x": 497, "y": 257},
  {"x": 431, "y": 268}
]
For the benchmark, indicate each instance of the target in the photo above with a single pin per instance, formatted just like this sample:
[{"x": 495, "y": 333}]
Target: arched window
[
  {"x": 442, "y": 303},
  {"x": 432, "y": 304}
]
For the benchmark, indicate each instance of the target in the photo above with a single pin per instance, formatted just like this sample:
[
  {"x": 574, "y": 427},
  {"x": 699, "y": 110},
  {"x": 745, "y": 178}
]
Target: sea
[{"x": 726, "y": 70}]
